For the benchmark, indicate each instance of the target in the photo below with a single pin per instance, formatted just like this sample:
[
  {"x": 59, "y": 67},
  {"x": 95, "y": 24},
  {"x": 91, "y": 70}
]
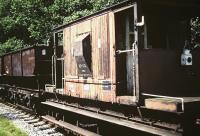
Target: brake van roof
[{"x": 183, "y": 3}]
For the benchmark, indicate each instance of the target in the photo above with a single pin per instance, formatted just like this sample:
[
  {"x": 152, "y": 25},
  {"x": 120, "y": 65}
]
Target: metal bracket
[
  {"x": 140, "y": 23},
  {"x": 123, "y": 51},
  {"x": 126, "y": 51},
  {"x": 60, "y": 58}
]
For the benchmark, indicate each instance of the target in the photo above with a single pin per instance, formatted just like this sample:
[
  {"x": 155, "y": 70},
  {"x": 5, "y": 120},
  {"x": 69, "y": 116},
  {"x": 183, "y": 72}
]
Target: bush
[{"x": 11, "y": 44}]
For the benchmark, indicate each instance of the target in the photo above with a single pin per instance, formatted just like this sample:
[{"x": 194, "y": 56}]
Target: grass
[{"x": 8, "y": 129}]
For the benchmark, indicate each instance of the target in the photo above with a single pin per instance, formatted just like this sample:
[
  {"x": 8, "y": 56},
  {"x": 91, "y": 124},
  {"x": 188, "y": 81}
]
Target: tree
[
  {"x": 195, "y": 30},
  {"x": 11, "y": 44},
  {"x": 31, "y": 21}
]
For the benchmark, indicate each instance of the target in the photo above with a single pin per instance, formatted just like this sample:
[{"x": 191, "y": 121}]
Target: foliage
[
  {"x": 100, "y": 4},
  {"x": 80, "y": 8},
  {"x": 195, "y": 29},
  {"x": 8, "y": 129},
  {"x": 11, "y": 44},
  {"x": 30, "y": 21}
]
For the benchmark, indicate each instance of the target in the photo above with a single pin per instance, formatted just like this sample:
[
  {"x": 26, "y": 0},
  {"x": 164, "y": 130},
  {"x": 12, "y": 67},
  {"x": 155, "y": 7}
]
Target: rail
[
  {"x": 68, "y": 126},
  {"x": 115, "y": 120},
  {"x": 169, "y": 97}
]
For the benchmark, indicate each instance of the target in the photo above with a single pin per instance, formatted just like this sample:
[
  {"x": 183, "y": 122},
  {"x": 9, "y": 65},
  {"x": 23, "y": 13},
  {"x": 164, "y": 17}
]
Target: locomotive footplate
[
  {"x": 113, "y": 120},
  {"x": 173, "y": 105}
]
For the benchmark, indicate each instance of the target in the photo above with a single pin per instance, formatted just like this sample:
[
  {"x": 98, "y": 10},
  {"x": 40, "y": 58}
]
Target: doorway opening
[{"x": 124, "y": 35}]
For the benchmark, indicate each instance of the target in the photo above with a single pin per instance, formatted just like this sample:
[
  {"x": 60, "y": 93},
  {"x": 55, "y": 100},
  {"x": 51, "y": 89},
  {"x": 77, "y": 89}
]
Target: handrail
[
  {"x": 124, "y": 51},
  {"x": 49, "y": 85}
]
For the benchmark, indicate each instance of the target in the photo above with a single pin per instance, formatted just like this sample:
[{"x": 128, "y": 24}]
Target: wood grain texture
[
  {"x": 101, "y": 30},
  {"x": 7, "y": 65},
  {"x": 0, "y": 66},
  {"x": 16, "y": 64},
  {"x": 28, "y": 62}
]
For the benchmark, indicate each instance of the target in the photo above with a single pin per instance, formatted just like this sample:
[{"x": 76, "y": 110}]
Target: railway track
[
  {"x": 28, "y": 121},
  {"x": 104, "y": 121}
]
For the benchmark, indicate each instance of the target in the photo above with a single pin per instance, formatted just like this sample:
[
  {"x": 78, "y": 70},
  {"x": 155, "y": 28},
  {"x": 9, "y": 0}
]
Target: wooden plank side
[
  {"x": 100, "y": 48},
  {"x": 66, "y": 48},
  {"x": 7, "y": 65},
  {"x": 0, "y": 66},
  {"x": 66, "y": 36},
  {"x": 105, "y": 46},
  {"x": 93, "y": 91},
  {"x": 112, "y": 49},
  {"x": 110, "y": 95},
  {"x": 69, "y": 34},
  {"x": 96, "y": 56},
  {"x": 106, "y": 95},
  {"x": 97, "y": 47},
  {"x": 73, "y": 70},
  {"x": 100, "y": 45},
  {"x": 83, "y": 89},
  {"x": 102, "y": 32},
  {"x": 28, "y": 62},
  {"x": 108, "y": 49},
  {"x": 95, "y": 52},
  {"x": 95, "y": 59},
  {"x": 16, "y": 64}
]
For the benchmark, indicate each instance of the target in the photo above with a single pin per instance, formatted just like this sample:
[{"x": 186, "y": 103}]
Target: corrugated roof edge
[{"x": 61, "y": 27}]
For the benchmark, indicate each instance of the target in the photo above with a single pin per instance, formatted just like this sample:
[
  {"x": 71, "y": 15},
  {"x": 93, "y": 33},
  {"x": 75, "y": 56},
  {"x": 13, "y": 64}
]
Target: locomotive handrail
[
  {"x": 140, "y": 23},
  {"x": 123, "y": 51},
  {"x": 60, "y": 58},
  {"x": 161, "y": 96},
  {"x": 49, "y": 85}
]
